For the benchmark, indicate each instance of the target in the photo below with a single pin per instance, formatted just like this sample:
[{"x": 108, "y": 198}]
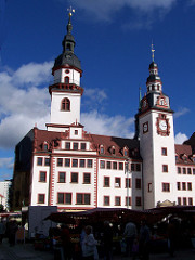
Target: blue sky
[{"x": 113, "y": 43}]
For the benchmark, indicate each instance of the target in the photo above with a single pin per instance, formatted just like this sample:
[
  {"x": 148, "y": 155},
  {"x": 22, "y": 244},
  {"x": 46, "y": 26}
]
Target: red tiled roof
[
  {"x": 184, "y": 153},
  {"x": 42, "y": 136}
]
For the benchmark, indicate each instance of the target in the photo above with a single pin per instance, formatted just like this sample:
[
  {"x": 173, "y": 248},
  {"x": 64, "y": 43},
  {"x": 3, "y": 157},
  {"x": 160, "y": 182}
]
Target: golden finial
[
  {"x": 153, "y": 50},
  {"x": 70, "y": 11}
]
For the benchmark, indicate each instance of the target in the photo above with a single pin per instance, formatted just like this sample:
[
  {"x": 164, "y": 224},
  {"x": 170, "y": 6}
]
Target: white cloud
[
  {"x": 182, "y": 111},
  {"x": 102, "y": 124},
  {"x": 104, "y": 9},
  {"x": 180, "y": 138},
  {"x": 21, "y": 108},
  {"x": 6, "y": 162},
  {"x": 33, "y": 74}
]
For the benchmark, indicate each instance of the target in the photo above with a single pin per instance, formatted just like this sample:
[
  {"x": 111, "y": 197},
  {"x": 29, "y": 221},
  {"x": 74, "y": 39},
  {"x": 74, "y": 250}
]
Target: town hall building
[{"x": 67, "y": 167}]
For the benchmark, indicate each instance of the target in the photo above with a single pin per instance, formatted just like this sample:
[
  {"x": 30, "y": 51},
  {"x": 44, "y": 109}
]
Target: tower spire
[
  {"x": 153, "y": 50},
  {"x": 70, "y": 13}
]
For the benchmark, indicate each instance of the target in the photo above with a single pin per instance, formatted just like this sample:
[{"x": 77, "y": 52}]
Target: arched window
[
  {"x": 66, "y": 80},
  {"x": 65, "y": 104}
]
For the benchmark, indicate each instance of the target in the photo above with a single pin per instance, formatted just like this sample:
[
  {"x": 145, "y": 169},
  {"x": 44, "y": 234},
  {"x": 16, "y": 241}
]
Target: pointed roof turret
[{"x": 68, "y": 56}]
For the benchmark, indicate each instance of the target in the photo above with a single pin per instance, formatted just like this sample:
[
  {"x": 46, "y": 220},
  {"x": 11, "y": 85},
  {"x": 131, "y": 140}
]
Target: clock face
[
  {"x": 145, "y": 127},
  {"x": 163, "y": 125}
]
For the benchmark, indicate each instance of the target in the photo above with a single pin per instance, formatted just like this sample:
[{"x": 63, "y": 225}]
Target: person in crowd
[
  {"x": 144, "y": 241},
  {"x": 171, "y": 233},
  {"x": 13, "y": 227},
  {"x": 130, "y": 231},
  {"x": 65, "y": 236},
  {"x": 135, "y": 248},
  {"x": 89, "y": 245},
  {"x": 107, "y": 241},
  {"x": 2, "y": 231}
]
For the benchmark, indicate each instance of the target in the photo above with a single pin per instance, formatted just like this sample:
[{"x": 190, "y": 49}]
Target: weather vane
[
  {"x": 70, "y": 11},
  {"x": 153, "y": 50}
]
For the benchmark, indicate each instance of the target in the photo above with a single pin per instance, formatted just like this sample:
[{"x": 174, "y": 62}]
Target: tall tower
[
  {"x": 157, "y": 143},
  {"x": 65, "y": 90}
]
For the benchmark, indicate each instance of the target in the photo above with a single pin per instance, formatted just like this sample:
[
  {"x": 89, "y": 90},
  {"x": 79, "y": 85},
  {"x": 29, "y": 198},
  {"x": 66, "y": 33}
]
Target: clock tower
[
  {"x": 65, "y": 90},
  {"x": 156, "y": 143}
]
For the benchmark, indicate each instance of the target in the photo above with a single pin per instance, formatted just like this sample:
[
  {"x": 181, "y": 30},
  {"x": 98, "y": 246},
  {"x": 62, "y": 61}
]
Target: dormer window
[
  {"x": 125, "y": 151},
  {"x": 102, "y": 149},
  {"x": 65, "y": 106},
  {"x": 45, "y": 146},
  {"x": 112, "y": 150}
]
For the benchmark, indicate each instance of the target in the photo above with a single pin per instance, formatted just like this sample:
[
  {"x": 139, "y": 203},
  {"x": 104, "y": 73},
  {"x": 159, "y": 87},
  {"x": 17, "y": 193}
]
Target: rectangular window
[
  {"x": 59, "y": 162},
  {"x": 102, "y": 164},
  {"x": 43, "y": 176},
  {"x": 108, "y": 165},
  {"x": 86, "y": 178},
  {"x": 164, "y": 151},
  {"x": 89, "y": 163},
  {"x": 120, "y": 166},
  {"x": 61, "y": 177},
  {"x": 138, "y": 201},
  {"x": 115, "y": 165},
  {"x": 41, "y": 198},
  {"x": 67, "y": 162},
  {"x": 74, "y": 177},
  {"x": 184, "y": 202},
  {"x": 83, "y": 146},
  {"x": 179, "y": 201},
  {"x": 67, "y": 145},
  {"x": 76, "y": 132},
  {"x": 82, "y": 163},
  {"x": 165, "y": 187},
  {"x": 189, "y": 170},
  {"x": 150, "y": 187},
  {"x": 39, "y": 161},
  {"x": 190, "y": 201},
  {"x": 106, "y": 181},
  {"x": 106, "y": 201},
  {"x": 164, "y": 168},
  {"x": 75, "y": 146},
  {"x": 128, "y": 183},
  {"x": 193, "y": 170},
  {"x": 118, "y": 182},
  {"x": 128, "y": 201},
  {"x": 138, "y": 167},
  {"x": 179, "y": 186},
  {"x": 117, "y": 201},
  {"x": 189, "y": 186},
  {"x": 75, "y": 163},
  {"x": 83, "y": 199},
  {"x": 64, "y": 198},
  {"x": 178, "y": 169},
  {"x": 132, "y": 167},
  {"x": 47, "y": 162},
  {"x": 138, "y": 183},
  {"x": 183, "y": 186},
  {"x": 184, "y": 170},
  {"x": 60, "y": 198}
]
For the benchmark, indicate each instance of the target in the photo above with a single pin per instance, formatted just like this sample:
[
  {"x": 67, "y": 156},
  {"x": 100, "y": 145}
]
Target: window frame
[
  {"x": 72, "y": 175},
  {"x": 43, "y": 180},
  {"x": 164, "y": 151},
  {"x": 105, "y": 180},
  {"x": 165, "y": 187},
  {"x": 84, "y": 178},
  {"x": 83, "y": 198},
  {"x": 39, "y": 161},
  {"x": 59, "y": 177},
  {"x": 108, "y": 198},
  {"x": 39, "y": 201},
  {"x": 59, "y": 164},
  {"x": 117, "y": 201}
]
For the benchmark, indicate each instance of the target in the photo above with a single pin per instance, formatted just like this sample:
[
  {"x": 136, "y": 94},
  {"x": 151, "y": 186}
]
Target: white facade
[
  {"x": 4, "y": 191},
  {"x": 152, "y": 144}
]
